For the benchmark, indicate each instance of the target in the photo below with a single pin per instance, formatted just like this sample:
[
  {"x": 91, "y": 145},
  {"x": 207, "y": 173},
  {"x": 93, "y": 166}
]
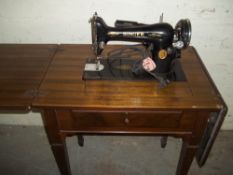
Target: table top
[
  {"x": 63, "y": 87},
  {"x": 22, "y": 67}
]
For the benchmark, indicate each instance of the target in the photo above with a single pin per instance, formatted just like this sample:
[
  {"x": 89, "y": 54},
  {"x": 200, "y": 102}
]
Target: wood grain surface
[
  {"x": 22, "y": 67},
  {"x": 63, "y": 86}
]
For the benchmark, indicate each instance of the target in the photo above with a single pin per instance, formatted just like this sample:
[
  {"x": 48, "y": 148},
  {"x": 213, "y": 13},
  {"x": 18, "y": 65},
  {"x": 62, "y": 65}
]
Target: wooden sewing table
[{"x": 49, "y": 78}]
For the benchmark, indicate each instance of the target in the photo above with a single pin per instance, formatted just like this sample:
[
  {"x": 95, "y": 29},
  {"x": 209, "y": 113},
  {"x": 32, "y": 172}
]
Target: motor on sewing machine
[{"x": 162, "y": 42}]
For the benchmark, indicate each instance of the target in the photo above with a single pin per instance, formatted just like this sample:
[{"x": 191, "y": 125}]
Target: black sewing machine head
[
  {"x": 163, "y": 43},
  {"x": 162, "y": 35}
]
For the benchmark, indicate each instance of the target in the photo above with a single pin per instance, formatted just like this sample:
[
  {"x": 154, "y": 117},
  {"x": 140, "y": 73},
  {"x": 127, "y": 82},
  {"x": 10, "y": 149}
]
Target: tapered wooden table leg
[
  {"x": 80, "y": 140},
  {"x": 163, "y": 141},
  {"x": 186, "y": 157},
  {"x": 57, "y": 142},
  {"x": 61, "y": 156}
]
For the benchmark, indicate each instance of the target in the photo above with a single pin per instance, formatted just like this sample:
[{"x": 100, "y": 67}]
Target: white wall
[{"x": 65, "y": 21}]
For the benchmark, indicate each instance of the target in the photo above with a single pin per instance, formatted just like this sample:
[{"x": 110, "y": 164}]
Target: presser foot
[{"x": 94, "y": 66}]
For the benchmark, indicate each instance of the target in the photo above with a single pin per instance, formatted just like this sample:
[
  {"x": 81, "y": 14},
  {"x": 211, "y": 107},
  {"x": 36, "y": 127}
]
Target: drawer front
[{"x": 120, "y": 121}]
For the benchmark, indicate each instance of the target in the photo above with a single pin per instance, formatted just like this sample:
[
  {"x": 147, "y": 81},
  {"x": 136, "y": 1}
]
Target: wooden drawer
[{"x": 121, "y": 121}]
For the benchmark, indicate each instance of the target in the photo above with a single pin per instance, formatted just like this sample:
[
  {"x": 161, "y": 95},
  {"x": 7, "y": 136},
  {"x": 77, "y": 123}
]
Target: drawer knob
[{"x": 127, "y": 121}]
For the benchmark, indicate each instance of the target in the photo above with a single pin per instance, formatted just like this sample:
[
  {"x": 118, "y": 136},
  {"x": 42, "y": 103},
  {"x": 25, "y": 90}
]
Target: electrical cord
[{"x": 138, "y": 53}]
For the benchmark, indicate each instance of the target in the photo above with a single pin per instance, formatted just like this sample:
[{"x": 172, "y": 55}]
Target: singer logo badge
[{"x": 162, "y": 54}]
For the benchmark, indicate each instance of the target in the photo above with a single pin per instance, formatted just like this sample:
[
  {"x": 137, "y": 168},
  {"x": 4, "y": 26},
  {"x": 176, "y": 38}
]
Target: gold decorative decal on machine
[
  {"x": 162, "y": 54},
  {"x": 134, "y": 34}
]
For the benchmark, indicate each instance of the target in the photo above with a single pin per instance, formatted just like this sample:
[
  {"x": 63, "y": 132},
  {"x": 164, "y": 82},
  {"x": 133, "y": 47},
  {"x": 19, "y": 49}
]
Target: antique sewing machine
[
  {"x": 160, "y": 44},
  {"x": 192, "y": 110}
]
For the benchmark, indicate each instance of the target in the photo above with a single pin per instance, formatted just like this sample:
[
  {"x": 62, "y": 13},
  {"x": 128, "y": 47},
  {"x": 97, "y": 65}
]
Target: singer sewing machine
[
  {"x": 161, "y": 46},
  {"x": 192, "y": 110}
]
